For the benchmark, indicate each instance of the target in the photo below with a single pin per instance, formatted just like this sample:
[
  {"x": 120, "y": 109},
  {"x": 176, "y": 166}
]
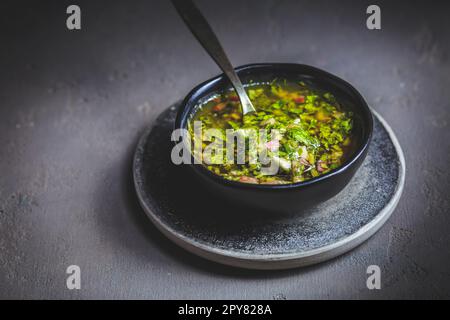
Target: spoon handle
[{"x": 201, "y": 29}]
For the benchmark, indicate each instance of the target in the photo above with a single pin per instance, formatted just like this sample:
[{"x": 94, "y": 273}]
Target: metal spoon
[{"x": 205, "y": 35}]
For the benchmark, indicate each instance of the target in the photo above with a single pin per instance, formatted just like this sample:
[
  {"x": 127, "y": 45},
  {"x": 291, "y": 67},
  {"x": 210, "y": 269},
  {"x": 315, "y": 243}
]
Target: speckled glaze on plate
[{"x": 206, "y": 225}]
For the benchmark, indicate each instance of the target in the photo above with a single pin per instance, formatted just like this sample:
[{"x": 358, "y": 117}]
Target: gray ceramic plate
[{"x": 219, "y": 231}]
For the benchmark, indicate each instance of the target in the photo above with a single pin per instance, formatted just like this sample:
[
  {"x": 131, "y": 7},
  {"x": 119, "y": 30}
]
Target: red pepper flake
[
  {"x": 247, "y": 179},
  {"x": 273, "y": 145},
  {"x": 219, "y": 106},
  {"x": 304, "y": 162},
  {"x": 300, "y": 99},
  {"x": 319, "y": 166}
]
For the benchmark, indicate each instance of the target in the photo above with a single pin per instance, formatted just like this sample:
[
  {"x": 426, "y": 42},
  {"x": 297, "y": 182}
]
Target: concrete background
[{"x": 73, "y": 103}]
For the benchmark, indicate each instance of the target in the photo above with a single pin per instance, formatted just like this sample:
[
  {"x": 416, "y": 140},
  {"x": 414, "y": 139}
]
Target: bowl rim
[{"x": 360, "y": 150}]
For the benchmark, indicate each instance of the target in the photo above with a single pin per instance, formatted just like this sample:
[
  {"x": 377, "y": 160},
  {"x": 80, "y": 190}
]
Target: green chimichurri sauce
[{"x": 313, "y": 136}]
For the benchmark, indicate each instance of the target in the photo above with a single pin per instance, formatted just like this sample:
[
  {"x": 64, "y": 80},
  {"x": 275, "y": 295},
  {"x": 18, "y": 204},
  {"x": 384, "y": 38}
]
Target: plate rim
[{"x": 281, "y": 260}]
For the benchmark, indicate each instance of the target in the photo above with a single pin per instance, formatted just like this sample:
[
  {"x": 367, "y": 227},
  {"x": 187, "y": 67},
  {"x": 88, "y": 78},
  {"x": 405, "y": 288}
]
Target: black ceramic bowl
[{"x": 293, "y": 197}]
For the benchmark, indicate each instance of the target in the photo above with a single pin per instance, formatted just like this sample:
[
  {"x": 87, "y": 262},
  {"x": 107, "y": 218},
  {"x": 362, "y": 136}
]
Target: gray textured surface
[{"x": 72, "y": 105}]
